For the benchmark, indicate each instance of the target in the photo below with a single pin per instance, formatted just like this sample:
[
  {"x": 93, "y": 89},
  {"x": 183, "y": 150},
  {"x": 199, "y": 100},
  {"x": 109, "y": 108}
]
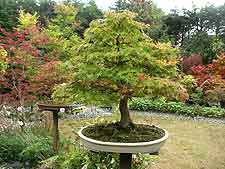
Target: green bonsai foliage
[{"x": 116, "y": 62}]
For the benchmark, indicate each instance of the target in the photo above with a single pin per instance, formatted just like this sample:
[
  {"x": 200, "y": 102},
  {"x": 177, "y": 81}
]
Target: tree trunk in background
[{"x": 125, "y": 119}]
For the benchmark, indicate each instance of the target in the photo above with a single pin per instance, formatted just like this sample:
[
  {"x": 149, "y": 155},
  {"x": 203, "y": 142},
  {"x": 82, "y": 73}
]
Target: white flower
[
  {"x": 85, "y": 166},
  {"x": 20, "y": 123},
  {"x": 8, "y": 113},
  {"x": 20, "y": 109},
  {"x": 62, "y": 110},
  {"x": 112, "y": 161}
]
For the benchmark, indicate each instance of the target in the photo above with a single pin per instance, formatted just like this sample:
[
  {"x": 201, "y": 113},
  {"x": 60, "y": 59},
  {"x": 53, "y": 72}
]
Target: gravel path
[
  {"x": 180, "y": 117},
  {"x": 90, "y": 114},
  {"x": 7, "y": 123},
  {"x": 101, "y": 112}
]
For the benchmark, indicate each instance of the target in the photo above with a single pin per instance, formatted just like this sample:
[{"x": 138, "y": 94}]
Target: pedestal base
[
  {"x": 55, "y": 132},
  {"x": 55, "y": 128},
  {"x": 125, "y": 160}
]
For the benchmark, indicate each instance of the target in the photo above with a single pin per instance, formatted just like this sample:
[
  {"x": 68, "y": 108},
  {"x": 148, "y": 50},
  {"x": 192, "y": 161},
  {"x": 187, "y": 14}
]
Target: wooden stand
[
  {"x": 55, "y": 131},
  {"x": 125, "y": 160}
]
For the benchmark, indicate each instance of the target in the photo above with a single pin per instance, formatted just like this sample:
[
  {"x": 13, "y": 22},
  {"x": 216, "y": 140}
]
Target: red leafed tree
[
  {"x": 22, "y": 56},
  {"x": 32, "y": 69},
  {"x": 47, "y": 77},
  {"x": 189, "y": 61},
  {"x": 211, "y": 79}
]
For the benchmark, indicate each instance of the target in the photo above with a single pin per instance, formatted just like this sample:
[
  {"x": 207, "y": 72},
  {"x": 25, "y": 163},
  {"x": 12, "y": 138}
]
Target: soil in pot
[{"x": 113, "y": 132}]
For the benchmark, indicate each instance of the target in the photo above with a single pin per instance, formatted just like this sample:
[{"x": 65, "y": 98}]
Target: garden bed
[{"x": 160, "y": 105}]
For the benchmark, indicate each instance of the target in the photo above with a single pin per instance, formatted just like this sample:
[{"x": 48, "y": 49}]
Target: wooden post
[
  {"x": 125, "y": 160},
  {"x": 55, "y": 132},
  {"x": 48, "y": 119},
  {"x": 54, "y": 109}
]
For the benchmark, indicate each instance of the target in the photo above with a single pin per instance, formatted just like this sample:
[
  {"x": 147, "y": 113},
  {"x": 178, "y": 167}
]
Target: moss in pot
[
  {"x": 113, "y": 132},
  {"x": 116, "y": 62}
]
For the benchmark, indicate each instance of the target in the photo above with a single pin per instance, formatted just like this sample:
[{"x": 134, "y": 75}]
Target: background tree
[
  {"x": 15, "y": 82},
  {"x": 142, "y": 7},
  {"x": 158, "y": 29},
  {"x": 64, "y": 22},
  {"x": 9, "y": 11},
  {"x": 62, "y": 44},
  {"x": 86, "y": 14},
  {"x": 23, "y": 57},
  {"x": 177, "y": 27},
  {"x": 47, "y": 77},
  {"x": 189, "y": 61},
  {"x": 26, "y": 20},
  {"x": 3, "y": 60},
  {"x": 63, "y": 39},
  {"x": 117, "y": 62},
  {"x": 211, "y": 79},
  {"x": 46, "y": 11},
  {"x": 148, "y": 13},
  {"x": 197, "y": 31},
  {"x": 120, "y": 5},
  {"x": 206, "y": 45}
]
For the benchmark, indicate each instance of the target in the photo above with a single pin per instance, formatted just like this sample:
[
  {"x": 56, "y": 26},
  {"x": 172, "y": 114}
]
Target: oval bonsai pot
[{"x": 116, "y": 147}]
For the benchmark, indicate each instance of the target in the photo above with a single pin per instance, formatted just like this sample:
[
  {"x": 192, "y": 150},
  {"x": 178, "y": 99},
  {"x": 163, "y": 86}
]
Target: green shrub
[
  {"x": 161, "y": 105},
  {"x": 39, "y": 149},
  {"x": 11, "y": 145},
  {"x": 195, "y": 93},
  {"x": 80, "y": 158},
  {"x": 31, "y": 145}
]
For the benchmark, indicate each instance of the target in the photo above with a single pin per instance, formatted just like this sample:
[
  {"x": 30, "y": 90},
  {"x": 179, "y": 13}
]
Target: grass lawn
[{"x": 191, "y": 145}]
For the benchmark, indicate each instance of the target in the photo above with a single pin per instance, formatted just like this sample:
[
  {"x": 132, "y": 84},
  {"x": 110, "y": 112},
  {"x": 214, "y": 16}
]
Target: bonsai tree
[{"x": 116, "y": 62}]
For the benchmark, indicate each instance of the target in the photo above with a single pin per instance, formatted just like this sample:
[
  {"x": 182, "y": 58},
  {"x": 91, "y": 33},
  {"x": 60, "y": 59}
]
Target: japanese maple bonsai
[{"x": 116, "y": 62}]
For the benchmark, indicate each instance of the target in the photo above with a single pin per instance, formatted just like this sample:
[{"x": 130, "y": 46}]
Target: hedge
[{"x": 161, "y": 105}]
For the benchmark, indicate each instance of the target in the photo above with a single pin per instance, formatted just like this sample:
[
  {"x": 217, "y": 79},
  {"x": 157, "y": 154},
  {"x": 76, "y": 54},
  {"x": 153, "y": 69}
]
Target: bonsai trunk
[
  {"x": 125, "y": 119},
  {"x": 222, "y": 104}
]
